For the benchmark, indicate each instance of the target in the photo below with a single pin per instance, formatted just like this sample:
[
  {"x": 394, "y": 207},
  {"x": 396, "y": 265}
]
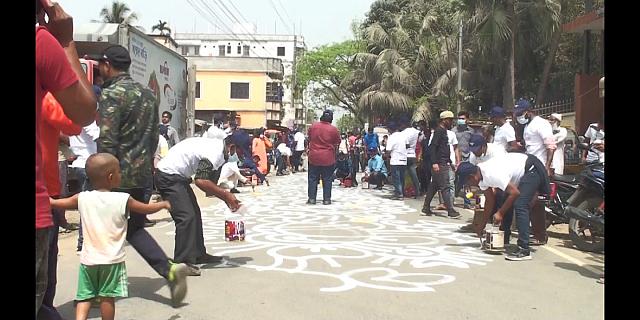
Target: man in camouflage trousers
[{"x": 129, "y": 131}]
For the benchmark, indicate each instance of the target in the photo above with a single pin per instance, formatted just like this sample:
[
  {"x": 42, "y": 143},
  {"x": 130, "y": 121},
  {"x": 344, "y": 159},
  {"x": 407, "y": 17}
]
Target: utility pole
[{"x": 459, "y": 68}]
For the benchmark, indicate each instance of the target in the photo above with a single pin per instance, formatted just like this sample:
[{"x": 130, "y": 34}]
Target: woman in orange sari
[{"x": 259, "y": 148}]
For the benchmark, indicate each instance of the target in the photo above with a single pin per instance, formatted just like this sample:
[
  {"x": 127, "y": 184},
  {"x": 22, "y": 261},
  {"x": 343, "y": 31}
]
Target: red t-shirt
[
  {"x": 53, "y": 73},
  {"x": 323, "y": 140},
  {"x": 53, "y": 121}
]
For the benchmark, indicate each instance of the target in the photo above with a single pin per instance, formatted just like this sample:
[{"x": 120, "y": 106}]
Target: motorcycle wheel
[{"x": 582, "y": 233}]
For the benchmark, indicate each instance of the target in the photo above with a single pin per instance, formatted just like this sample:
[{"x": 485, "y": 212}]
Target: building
[
  {"x": 247, "y": 89},
  {"x": 165, "y": 40},
  {"x": 249, "y": 44}
]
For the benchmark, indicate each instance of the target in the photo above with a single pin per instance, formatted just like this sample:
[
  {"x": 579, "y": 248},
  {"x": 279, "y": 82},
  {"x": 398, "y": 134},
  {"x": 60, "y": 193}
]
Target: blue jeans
[
  {"x": 316, "y": 173},
  {"x": 411, "y": 166},
  {"x": 398, "y": 179},
  {"x": 528, "y": 187}
]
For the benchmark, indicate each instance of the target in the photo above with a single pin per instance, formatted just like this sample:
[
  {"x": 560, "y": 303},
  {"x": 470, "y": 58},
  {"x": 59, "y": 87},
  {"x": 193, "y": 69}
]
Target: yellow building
[{"x": 249, "y": 89}]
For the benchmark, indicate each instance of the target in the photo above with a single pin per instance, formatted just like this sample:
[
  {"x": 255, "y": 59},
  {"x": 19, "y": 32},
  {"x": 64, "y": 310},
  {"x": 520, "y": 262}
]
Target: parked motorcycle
[{"x": 586, "y": 210}]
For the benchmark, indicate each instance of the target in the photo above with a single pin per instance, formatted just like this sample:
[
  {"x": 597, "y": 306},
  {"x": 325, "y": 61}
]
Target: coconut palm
[
  {"x": 162, "y": 27},
  {"x": 119, "y": 13}
]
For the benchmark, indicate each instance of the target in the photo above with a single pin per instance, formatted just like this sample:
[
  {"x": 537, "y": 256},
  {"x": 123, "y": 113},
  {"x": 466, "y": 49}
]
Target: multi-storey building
[{"x": 284, "y": 47}]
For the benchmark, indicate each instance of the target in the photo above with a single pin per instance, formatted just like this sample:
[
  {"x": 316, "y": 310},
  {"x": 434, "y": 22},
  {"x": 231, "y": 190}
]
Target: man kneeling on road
[
  {"x": 203, "y": 157},
  {"x": 521, "y": 177}
]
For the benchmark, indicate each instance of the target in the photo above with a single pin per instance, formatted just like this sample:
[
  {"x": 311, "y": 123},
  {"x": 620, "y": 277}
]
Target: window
[
  {"x": 245, "y": 51},
  {"x": 239, "y": 90},
  {"x": 280, "y": 51},
  {"x": 221, "y": 51},
  {"x": 185, "y": 50},
  {"x": 229, "y": 49},
  {"x": 239, "y": 50},
  {"x": 196, "y": 50},
  {"x": 274, "y": 92},
  {"x": 197, "y": 89}
]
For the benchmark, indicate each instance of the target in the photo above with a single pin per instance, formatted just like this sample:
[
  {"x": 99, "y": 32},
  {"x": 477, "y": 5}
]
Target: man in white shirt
[
  {"x": 412, "y": 134},
  {"x": 538, "y": 134},
  {"x": 203, "y": 157},
  {"x": 521, "y": 177},
  {"x": 593, "y": 133},
  {"x": 397, "y": 148},
  {"x": 560, "y": 134},
  {"x": 505, "y": 135},
  {"x": 83, "y": 146},
  {"x": 299, "y": 138}
]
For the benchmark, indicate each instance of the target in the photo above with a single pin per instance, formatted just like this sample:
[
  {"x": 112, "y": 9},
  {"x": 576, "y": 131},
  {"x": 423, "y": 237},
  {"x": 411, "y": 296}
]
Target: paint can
[
  {"x": 365, "y": 184},
  {"x": 493, "y": 238},
  {"x": 234, "y": 228}
]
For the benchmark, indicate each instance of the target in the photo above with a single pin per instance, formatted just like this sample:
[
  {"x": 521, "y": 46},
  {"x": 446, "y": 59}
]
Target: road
[{"x": 363, "y": 257}]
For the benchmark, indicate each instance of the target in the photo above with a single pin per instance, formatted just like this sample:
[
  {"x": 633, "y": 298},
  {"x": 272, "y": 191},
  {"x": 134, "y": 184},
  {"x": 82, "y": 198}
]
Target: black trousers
[
  {"x": 377, "y": 178},
  {"x": 440, "y": 183},
  {"x": 141, "y": 240},
  {"x": 189, "y": 241}
]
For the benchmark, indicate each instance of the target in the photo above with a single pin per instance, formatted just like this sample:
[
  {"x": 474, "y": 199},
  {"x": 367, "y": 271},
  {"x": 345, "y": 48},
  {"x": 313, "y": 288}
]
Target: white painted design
[{"x": 284, "y": 234}]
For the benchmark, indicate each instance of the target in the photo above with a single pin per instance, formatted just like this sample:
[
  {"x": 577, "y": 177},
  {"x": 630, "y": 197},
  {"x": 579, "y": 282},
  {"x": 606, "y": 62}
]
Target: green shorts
[{"x": 106, "y": 280}]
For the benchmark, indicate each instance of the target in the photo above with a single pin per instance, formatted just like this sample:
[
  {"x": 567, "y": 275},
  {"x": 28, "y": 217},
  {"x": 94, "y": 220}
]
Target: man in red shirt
[
  {"x": 54, "y": 122},
  {"x": 57, "y": 71},
  {"x": 323, "y": 141}
]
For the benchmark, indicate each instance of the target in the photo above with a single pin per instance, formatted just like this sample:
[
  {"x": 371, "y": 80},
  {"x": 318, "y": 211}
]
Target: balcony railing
[{"x": 274, "y": 98}]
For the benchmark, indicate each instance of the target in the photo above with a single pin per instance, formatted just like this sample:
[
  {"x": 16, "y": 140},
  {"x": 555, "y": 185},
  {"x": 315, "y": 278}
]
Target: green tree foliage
[
  {"x": 162, "y": 27},
  {"x": 347, "y": 123},
  {"x": 118, "y": 13}
]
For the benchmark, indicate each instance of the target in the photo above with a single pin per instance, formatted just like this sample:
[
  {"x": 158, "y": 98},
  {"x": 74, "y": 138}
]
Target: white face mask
[
  {"x": 555, "y": 126},
  {"x": 522, "y": 119}
]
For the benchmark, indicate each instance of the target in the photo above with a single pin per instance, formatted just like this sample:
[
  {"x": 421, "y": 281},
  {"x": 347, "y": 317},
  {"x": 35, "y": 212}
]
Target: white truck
[{"x": 158, "y": 67}]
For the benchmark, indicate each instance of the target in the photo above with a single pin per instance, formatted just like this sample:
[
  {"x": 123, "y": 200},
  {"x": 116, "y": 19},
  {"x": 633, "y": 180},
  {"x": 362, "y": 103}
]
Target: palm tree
[
  {"x": 120, "y": 13},
  {"x": 162, "y": 27}
]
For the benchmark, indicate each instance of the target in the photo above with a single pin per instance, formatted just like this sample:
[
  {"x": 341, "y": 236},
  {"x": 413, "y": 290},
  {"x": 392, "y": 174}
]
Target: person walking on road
[
  {"x": 397, "y": 149},
  {"x": 129, "y": 131},
  {"x": 324, "y": 138},
  {"x": 440, "y": 156}
]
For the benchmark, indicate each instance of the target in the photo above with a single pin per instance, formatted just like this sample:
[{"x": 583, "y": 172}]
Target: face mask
[
  {"x": 462, "y": 122},
  {"x": 555, "y": 126},
  {"x": 522, "y": 119},
  {"x": 262, "y": 136}
]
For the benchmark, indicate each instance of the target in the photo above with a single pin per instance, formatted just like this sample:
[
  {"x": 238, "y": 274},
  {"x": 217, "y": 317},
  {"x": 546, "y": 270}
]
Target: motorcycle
[
  {"x": 578, "y": 201},
  {"x": 586, "y": 210}
]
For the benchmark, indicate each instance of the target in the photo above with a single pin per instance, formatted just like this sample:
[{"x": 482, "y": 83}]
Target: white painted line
[{"x": 572, "y": 259}]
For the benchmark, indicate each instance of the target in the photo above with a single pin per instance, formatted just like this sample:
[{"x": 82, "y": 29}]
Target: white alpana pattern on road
[{"x": 361, "y": 240}]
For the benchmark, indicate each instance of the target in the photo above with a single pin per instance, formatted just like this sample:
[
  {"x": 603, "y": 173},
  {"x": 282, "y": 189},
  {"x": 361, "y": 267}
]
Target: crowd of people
[{"x": 510, "y": 162}]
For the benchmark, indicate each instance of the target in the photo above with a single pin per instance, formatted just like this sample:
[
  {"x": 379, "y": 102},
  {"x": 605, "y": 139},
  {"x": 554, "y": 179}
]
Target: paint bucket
[
  {"x": 493, "y": 238},
  {"x": 234, "y": 228}
]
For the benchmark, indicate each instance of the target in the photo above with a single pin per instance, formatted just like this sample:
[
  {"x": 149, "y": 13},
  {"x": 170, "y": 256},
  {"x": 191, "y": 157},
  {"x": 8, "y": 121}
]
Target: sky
[{"x": 320, "y": 22}]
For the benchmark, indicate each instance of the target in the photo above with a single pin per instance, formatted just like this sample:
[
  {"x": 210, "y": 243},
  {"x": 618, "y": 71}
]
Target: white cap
[
  {"x": 556, "y": 116},
  {"x": 216, "y": 133}
]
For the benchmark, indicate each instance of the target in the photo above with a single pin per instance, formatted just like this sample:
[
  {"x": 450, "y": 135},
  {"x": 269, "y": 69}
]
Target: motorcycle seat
[{"x": 564, "y": 178}]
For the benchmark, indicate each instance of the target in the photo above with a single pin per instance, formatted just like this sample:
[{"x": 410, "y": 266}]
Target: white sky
[{"x": 322, "y": 21}]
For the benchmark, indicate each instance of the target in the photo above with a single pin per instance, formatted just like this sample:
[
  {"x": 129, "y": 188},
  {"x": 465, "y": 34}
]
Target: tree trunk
[
  {"x": 508, "y": 99},
  {"x": 553, "y": 47}
]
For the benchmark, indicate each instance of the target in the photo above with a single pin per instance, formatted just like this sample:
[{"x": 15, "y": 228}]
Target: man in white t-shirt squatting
[
  {"x": 203, "y": 157},
  {"x": 521, "y": 177}
]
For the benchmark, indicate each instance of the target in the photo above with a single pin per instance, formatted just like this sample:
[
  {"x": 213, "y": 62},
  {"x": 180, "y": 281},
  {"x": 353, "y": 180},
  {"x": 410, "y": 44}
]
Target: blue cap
[
  {"x": 464, "y": 170},
  {"x": 522, "y": 105},
  {"x": 497, "y": 112},
  {"x": 476, "y": 142}
]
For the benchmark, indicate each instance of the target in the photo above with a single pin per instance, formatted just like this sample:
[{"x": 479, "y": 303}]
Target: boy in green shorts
[{"x": 104, "y": 217}]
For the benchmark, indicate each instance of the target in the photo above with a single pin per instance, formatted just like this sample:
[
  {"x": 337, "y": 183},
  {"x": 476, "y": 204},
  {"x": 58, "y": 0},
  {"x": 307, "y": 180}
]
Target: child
[{"x": 104, "y": 217}]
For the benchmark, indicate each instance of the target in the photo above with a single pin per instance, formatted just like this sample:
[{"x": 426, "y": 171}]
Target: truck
[{"x": 157, "y": 67}]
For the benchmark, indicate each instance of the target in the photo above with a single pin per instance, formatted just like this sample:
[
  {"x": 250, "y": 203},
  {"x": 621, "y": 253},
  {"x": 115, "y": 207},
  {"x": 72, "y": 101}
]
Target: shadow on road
[
  {"x": 584, "y": 272},
  {"x": 228, "y": 263},
  {"x": 147, "y": 288},
  {"x": 558, "y": 235}
]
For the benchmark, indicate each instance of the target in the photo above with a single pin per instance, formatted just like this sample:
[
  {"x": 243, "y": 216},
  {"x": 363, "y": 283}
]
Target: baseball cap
[
  {"x": 497, "y": 112},
  {"x": 465, "y": 169},
  {"x": 522, "y": 105},
  {"x": 476, "y": 142},
  {"x": 446, "y": 115},
  {"x": 117, "y": 55}
]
